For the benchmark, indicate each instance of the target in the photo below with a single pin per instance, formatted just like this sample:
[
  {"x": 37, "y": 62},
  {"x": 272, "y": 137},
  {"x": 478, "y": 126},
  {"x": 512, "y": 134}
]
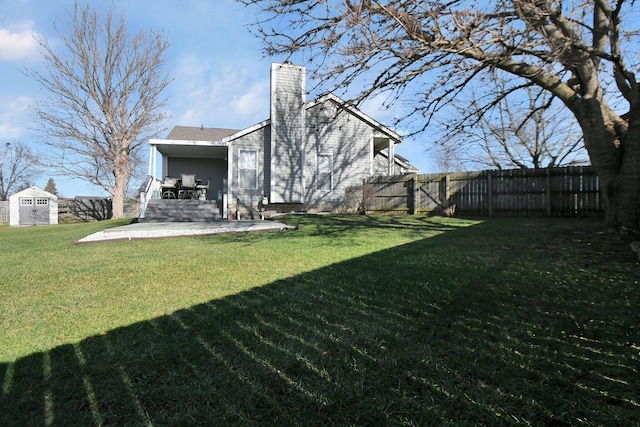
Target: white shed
[{"x": 33, "y": 206}]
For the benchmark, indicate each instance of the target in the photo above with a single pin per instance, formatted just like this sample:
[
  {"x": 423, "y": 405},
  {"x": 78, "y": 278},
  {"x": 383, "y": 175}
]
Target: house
[{"x": 303, "y": 158}]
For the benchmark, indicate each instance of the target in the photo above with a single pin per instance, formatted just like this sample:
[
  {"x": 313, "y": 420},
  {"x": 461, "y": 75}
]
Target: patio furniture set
[{"x": 186, "y": 187}]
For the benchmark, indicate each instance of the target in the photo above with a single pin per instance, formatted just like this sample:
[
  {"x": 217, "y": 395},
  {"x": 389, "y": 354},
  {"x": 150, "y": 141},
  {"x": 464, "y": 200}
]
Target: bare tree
[
  {"x": 16, "y": 168},
  {"x": 429, "y": 51},
  {"x": 448, "y": 157},
  {"x": 105, "y": 90},
  {"x": 525, "y": 129}
]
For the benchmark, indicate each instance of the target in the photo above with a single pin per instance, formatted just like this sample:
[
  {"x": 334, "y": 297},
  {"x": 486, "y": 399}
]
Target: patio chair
[
  {"x": 169, "y": 190},
  {"x": 188, "y": 186},
  {"x": 202, "y": 189}
]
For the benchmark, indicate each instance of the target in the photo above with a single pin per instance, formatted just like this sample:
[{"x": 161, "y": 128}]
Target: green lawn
[{"x": 350, "y": 320}]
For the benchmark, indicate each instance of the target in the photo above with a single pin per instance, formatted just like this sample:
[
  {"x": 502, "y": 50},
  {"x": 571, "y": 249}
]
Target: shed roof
[{"x": 34, "y": 191}]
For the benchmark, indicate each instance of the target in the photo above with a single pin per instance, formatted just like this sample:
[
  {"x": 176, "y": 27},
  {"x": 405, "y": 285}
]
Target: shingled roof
[{"x": 193, "y": 133}]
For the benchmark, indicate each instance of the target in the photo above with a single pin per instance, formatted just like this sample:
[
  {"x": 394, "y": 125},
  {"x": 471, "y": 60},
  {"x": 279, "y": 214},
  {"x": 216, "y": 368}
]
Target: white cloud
[
  {"x": 14, "y": 117},
  {"x": 18, "y": 42},
  {"x": 232, "y": 96},
  {"x": 251, "y": 100},
  {"x": 9, "y": 132}
]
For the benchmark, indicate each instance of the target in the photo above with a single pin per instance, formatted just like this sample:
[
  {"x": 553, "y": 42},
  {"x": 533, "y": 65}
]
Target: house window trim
[
  {"x": 318, "y": 172},
  {"x": 240, "y": 169}
]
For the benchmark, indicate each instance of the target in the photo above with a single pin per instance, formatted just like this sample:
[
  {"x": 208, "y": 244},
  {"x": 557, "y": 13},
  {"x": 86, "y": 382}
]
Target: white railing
[{"x": 149, "y": 190}]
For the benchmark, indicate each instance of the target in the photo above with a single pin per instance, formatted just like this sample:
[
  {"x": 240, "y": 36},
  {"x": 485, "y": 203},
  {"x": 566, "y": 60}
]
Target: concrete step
[{"x": 175, "y": 210}]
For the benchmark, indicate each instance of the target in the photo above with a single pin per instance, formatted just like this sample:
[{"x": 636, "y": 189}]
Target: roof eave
[{"x": 246, "y": 131}]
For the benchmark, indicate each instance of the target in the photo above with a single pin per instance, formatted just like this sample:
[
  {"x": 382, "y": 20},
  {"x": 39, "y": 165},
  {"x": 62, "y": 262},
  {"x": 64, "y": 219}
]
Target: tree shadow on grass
[
  {"x": 339, "y": 224},
  {"x": 430, "y": 333}
]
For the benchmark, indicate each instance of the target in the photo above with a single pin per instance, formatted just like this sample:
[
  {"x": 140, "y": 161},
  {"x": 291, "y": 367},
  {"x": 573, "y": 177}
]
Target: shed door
[
  {"x": 41, "y": 211},
  {"x": 33, "y": 211},
  {"x": 26, "y": 210}
]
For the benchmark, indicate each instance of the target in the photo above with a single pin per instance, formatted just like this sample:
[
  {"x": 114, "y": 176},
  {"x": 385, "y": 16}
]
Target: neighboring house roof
[
  {"x": 402, "y": 162},
  {"x": 193, "y": 133}
]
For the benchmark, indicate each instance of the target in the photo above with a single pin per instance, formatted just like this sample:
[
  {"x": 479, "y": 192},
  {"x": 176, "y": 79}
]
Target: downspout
[
  {"x": 392, "y": 156},
  {"x": 303, "y": 147},
  {"x": 227, "y": 183},
  {"x": 372, "y": 155}
]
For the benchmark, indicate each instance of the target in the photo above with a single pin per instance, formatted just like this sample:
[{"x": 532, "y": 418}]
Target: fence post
[
  {"x": 547, "y": 190},
  {"x": 447, "y": 186},
  {"x": 411, "y": 195},
  {"x": 490, "y": 193},
  {"x": 444, "y": 191},
  {"x": 417, "y": 194}
]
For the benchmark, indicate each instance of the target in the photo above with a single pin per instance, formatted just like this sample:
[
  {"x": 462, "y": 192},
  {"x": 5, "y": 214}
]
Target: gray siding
[
  {"x": 258, "y": 140},
  {"x": 349, "y": 141}
]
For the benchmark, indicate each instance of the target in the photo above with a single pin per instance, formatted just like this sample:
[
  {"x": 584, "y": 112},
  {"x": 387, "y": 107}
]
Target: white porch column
[
  {"x": 151, "y": 157},
  {"x": 155, "y": 162}
]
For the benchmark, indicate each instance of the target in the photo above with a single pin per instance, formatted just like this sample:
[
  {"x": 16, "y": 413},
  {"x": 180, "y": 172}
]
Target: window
[
  {"x": 325, "y": 172},
  {"x": 248, "y": 169}
]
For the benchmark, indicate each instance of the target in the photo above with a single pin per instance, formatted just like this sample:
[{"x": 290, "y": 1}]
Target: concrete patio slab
[{"x": 154, "y": 230}]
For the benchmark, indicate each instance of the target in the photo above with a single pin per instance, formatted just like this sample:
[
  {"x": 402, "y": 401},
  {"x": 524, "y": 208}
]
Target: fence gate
[{"x": 34, "y": 211}]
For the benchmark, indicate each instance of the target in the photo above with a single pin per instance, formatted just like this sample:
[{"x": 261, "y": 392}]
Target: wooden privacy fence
[
  {"x": 93, "y": 209},
  {"x": 568, "y": 191},
  {"x": 4, "y": 212}
]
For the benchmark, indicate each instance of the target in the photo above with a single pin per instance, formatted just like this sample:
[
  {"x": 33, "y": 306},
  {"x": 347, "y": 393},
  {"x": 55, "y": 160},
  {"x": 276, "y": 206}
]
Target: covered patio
[{"x": 192, "y": 163}]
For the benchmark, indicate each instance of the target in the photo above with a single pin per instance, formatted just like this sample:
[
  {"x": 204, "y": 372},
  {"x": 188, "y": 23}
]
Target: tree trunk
[
  {"x": 118, "y": 199},
  {"x": 122, "y": 173},
  {"x": 614, "y": 151},
  {"x": 628, "y": 184}
]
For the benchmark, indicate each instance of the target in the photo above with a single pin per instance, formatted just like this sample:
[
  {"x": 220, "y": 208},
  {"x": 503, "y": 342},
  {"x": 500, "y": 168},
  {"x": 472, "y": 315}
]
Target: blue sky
[{"x": 220, "y": 76}]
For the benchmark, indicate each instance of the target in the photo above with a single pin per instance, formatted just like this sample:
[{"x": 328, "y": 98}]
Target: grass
[{"x": 351, "y": 320}]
